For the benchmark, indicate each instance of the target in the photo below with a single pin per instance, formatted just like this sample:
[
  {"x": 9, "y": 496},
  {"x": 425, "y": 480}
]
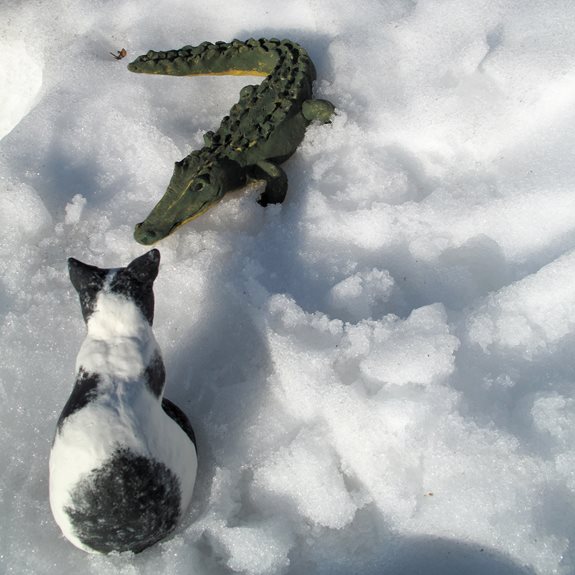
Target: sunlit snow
[{"x": 380, "y": 371}]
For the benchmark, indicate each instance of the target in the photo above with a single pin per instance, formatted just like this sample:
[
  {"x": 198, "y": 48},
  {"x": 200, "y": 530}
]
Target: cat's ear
[
  {"x": 88, "y": 281},
  {"x": 85, "y": 277},
  {"x": 145, "y": 268}
]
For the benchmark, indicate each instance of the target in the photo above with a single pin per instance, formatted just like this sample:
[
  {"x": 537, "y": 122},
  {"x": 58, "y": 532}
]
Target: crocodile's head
[{"x": 194, "y": 188}]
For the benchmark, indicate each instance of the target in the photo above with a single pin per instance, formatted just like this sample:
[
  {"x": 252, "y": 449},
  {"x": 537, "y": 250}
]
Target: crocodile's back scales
[{"x": 265, "y": 125}]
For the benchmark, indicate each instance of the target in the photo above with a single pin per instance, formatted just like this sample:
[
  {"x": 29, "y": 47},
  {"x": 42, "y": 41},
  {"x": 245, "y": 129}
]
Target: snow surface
[{"x": 381, "y": 370}]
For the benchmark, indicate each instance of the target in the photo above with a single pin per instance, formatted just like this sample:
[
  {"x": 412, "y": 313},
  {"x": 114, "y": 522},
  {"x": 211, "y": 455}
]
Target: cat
[{"x": 123, "y": 461}]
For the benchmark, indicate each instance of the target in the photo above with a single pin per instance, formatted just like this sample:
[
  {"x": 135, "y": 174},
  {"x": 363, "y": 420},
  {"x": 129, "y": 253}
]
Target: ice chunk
[
  {"x": 554, "y": 414},
  {"x": 253, "y": 549},
  {"x": 307, "y": 473},
  {"x": 418, "y": 350},
  {"x": 362, "y": 295},
  {"x": 74, "y": 209},
  {"x": 530, "y": 316}
]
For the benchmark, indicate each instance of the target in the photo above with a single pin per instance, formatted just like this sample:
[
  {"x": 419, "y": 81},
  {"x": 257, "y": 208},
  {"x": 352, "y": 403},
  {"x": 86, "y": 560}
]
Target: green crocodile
[{"x": 262, "y": 130}]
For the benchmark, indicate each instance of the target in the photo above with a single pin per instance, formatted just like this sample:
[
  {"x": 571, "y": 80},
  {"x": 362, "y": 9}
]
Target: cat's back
[{"x": 121, "y": 474}]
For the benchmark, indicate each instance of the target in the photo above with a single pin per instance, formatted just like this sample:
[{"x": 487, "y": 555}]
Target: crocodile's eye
[{"x": 199, "y": 185}]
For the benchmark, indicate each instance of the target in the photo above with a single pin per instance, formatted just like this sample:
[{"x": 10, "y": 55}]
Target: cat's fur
[{"x": 123, "y": 462}]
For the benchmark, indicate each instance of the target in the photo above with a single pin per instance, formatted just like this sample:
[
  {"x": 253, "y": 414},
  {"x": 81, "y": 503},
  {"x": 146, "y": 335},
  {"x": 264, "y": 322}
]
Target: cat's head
[{"x": 135, "y": 282}]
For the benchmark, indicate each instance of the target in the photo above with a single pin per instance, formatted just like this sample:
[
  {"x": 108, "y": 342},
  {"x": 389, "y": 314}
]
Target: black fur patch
[
  {"x": 127, "y": 504},
  {"x": 135, "y": 282},
  {"x": 173, "y": 411},
  {"x": 88, "y": 281},
  {"x": 84, "y": 391},
  {"x": 156, "y": 375}
]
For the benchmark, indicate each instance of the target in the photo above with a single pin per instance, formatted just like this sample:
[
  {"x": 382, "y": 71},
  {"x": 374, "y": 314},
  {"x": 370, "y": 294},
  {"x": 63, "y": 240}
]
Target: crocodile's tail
[{"x": 252, "y": 57}]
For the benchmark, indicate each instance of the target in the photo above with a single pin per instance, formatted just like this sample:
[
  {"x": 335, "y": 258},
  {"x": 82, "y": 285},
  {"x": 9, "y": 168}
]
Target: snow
[{"x": 380, "y": 371}]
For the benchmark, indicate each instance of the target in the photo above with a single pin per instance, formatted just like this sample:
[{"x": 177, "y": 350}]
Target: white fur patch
[{"x": 120, "y": 342}]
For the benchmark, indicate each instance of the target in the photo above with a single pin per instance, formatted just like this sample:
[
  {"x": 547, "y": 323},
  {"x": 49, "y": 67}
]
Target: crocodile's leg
[
  {"x": 320, "y": 110},
  {"x": 276, "y": 182}
]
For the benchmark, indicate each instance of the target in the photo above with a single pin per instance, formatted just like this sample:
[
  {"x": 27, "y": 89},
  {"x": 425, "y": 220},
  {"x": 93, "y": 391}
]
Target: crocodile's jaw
[{"x": 151, "y": 230}]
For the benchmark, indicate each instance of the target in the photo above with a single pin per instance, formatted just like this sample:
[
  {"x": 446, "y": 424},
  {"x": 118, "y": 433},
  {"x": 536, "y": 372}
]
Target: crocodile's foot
[
  {"x": 318, "y": 110},
  {"x": 276, "y": 182}
]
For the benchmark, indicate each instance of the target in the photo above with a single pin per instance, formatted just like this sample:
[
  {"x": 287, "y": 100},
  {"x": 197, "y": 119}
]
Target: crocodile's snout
[{"x": 145, "y": 235}]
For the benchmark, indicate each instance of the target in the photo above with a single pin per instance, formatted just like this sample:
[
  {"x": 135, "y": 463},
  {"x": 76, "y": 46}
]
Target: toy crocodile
[{"x": 262, "y": 130}]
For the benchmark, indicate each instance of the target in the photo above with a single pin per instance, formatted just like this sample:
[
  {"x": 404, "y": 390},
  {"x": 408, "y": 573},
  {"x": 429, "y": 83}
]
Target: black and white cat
[{"x": 123, "y": 462}]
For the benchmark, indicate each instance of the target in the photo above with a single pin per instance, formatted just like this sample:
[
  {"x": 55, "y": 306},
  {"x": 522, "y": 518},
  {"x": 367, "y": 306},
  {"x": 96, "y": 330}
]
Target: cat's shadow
[{"x": 216, "y": 374}]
